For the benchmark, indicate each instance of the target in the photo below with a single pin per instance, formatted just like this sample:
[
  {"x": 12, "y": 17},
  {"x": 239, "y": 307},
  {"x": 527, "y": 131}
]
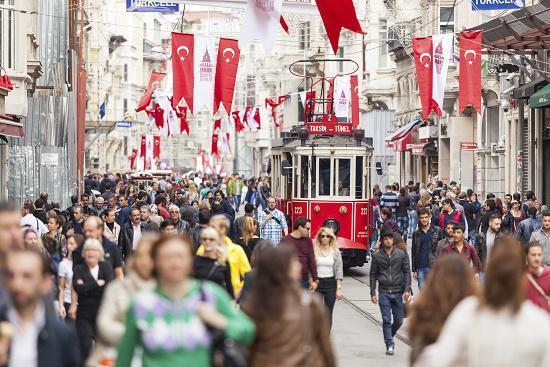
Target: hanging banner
[
  {"x": 183, "y": 46},
  {"x": 337, "y": 15},
  {"x": 480, "y": 5},
  {"x": 261, "y": 22},
  {"x": 423, "y": 62},
  {"x": 226, "y": 73},
  {"x": 342, "y": 96},
  {"x": 442, "y": 48},
  {"x": 154, "y": 82},
  {"x": 151, "y": 6},
  {"x": 355, "y": 116},
  {"x": 205, "y": 69},
  {"x": 469, "y": 85}
]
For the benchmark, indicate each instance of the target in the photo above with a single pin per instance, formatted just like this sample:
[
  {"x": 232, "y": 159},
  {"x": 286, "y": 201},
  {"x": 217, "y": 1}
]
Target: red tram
[{"x": 320, "y": 170}]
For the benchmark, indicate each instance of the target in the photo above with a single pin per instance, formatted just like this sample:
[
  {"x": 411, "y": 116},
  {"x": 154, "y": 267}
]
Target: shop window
[
  {"x": 324, "y": 177},
  {"x": 342, "y": 180}
]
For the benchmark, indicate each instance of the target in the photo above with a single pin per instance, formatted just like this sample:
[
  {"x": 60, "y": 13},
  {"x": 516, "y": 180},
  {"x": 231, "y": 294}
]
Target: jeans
[
  {"x": 421, "y": 274},
  {"x": 403, "y": 224},
  {"x": 391, "y": 304},
  {"x": 237, "y": 199},
  {"x": 413, "y": 221},
  {"x": 472, "y": 234},
  {"x": 327, "y": 291},
  {"x": 85, "y": 329}
]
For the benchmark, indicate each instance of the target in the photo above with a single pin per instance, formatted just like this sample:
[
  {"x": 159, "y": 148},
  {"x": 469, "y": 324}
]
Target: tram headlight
[{"x": 332, "y": 224}]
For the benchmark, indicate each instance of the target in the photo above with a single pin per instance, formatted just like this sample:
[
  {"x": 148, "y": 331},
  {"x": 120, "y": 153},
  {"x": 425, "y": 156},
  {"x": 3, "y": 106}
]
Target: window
[
  {"x": 250, "y": 90},
  {"x": 157, "y": 31},
  {"x": 125, "y": 72},
  {"x": 304, "y": 35},
  {"x": 342, "y": 180},
  {"x": 7, "y": 35},
  {"x": 324, "y": 177},
  {"x": 382, "y": 44},
  {"x": 359, "y": 177},
  {"x": 304, "y": 176},
  {"x": 125, "y": 105},
  {"x": 446, "y": 19}
]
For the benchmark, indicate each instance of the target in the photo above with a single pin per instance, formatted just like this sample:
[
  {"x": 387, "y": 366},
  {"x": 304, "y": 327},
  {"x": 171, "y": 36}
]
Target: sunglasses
[{"x": 325, "y": 236}]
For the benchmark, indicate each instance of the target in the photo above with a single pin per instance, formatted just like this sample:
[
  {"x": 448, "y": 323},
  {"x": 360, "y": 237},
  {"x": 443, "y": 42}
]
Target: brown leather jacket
[{"x": 283, "y": 342}]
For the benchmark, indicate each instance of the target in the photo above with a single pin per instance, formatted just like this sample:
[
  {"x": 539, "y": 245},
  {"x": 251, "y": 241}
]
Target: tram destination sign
[
  {"x": 480, "y": 5},
  {"x": 330, "y": 128}
]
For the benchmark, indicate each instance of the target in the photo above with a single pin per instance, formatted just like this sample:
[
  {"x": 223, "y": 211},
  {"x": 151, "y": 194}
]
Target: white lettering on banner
[{"x": 152, "y": 3}]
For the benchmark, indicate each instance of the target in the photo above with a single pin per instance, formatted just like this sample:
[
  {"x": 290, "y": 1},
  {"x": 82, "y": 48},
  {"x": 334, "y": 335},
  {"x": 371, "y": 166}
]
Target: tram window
[
  {"x": 324, "y": 177},
  {"x": 358, "y": 177},
  {"x": 304, "y": 177},
  {"x": 342, "y": 185}
]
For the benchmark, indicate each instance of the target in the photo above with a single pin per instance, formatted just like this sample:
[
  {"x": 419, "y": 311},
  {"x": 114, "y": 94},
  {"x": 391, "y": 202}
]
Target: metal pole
[{"x": 521, "y": 123}]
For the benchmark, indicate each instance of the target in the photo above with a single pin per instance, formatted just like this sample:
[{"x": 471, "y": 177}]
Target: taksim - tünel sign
[
  {"x": 152, "y": 6},
  {"x": 480, "y": 5}
]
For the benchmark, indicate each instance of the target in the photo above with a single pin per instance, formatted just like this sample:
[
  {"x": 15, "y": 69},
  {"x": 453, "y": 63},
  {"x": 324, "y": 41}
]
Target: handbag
[
  {"x": 5, "y": 81},
  {"x": 225, "y": 352}
]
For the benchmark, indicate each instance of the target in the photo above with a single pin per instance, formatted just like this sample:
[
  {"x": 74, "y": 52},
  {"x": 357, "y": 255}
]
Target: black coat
[
  {"x": 126, "y": 238},
  {"x": 57, "y": 343},
  {"x": 437, "y": 235},
  {"x": 89, "y": 292},
  {"x": 393, "y": 274}
]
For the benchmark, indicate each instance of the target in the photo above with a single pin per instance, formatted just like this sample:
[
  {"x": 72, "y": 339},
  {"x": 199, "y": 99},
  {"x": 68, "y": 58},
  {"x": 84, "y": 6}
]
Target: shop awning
[
  {"x": 403, "y": 130},
  {"x": 528, "y": 89},
  {"x": 541, "y": 98},
  {"x": 10, "y": 126}
]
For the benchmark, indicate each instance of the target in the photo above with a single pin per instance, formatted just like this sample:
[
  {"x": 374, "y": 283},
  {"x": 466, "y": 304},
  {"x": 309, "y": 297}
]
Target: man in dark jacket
[
  {"x": 39, "y": 338},
  {"x": 390, "y": 268},
  {"x": 130, "y": 234},
  {"x": 424, "y": 245},
  {"x": 484, "y": 241},
  {"x": 40, "y": 211}
]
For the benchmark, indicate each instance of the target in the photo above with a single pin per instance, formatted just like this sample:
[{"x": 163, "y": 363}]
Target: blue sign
[
  {"x": 480, "y": 5},
  {"x": 152, "y": 6},
  {"x": 123, "y": 123}
]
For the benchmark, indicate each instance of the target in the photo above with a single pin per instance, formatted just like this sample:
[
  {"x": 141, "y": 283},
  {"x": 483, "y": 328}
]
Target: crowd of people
[
  {"x": 482, "y": 270},
  {"x": 168, "y": 273}
]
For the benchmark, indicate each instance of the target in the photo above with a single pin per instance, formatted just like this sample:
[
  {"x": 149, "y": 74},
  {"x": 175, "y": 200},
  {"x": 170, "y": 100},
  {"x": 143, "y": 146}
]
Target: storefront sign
[
  {"x": 152, "y": 6},
  {"x": 468, "y": 146},
  {"x": 49, "y": 159},
  {"x": 480, "y": 5},
  {"x": 330, "y": 128},
  {"x": 124, "y": 123}
]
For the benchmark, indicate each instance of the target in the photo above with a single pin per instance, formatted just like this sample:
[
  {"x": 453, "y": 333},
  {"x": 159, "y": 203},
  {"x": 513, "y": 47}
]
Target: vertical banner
[
  {"x": 261, "y": 22},
  {"x": 237, "y": 119},
  {"x": 154, "y": 82},
  {"x": 442, "y": 47},
  {"x": 469, "y": 91},
  {"x": 355, "y": 116},
  {"x": 423, "y": 62},
  {"x": 226, "y": 73},
  {"x": 214, "y": 148},
  {"x": 205, "y": 69},
  {"x": 183, "y": 46},
  {"x": 156, "y": 147},
  {"x": 342, "y": 96},
  {"x": 133, "y": 158}
]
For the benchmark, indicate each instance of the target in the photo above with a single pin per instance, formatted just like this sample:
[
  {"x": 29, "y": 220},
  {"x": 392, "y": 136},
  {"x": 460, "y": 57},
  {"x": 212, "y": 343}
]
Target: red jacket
[
  {"x": 534, "y": 295},
  {"x": 456, "y": 217}
]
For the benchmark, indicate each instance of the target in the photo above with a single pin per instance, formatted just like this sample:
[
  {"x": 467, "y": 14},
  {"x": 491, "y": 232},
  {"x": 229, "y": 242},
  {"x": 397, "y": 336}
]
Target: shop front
[{"x": 540, "y": 102}]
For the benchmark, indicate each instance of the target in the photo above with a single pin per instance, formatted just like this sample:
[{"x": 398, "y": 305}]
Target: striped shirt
[{"x": 389, "y": 200}]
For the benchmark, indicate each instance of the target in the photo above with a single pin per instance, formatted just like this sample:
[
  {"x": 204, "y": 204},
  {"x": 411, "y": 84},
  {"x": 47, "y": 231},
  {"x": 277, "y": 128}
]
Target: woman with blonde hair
[
  {"x": 116, "y": 301},
  {"x": 437, "y": 299},
  {"x": 500, "y": 328},
  {"x": 89, "y": 281},
  {"x": 249, "y": 238},
  {"x": 330, "y": 268},
  {"x": 192, "y": 194},
  {"x": 212, "y": 264}
]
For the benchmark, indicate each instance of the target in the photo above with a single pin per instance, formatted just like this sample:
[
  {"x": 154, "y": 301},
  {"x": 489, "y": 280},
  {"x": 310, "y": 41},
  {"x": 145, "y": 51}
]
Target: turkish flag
[
  {"x": 181, "y": 112},
  {"x": 133, "y": 158},
  {"x": 247, "y": 115},
  {"x": 214, "y": 148},
  {"x": 156, "y": 147},
  {"x": 154, "y": 82},
  {"x": 158, "y": 114},
  {"x": 217, "y": 124},
  {"x": 423, "y": 62},
  {"x": 271, "y": 103},
  {"x": 257, "y": 118},
  {"x": 226, "y": 73},
  {"x": 337, "y": 15},
  {"x": 237, "y": 118},
  {"x": 183, "y": 46},
  {"x": 355, "y": 101},
  {"x": 469, "y": 82},
  {"x": 143, "y": 146},
  {"x": 309, "y": 108}
]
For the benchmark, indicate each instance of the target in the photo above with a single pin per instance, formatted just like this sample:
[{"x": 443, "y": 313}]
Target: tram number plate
[
  {"x": 330, "y": 128},
  {"x": 298, "y": 210}
]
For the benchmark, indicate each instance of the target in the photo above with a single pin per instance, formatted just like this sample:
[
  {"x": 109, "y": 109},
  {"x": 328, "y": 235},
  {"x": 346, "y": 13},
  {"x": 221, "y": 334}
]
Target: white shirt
[
  {"x": 66, "y": 270},
  {"x": 482, "y": 338},
  {"x": 137, "y": 236},
  {"x": 95, "y": 272},
  {"x": 30, "y": 220},
  {"x": 325, "y": 265},
  {"x": 24, "y": 351},
  {"x": 197, "y": 180},
  {"x": 490, "y": 241}
]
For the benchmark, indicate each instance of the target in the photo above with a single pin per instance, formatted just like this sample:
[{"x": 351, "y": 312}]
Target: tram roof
[{"x": 337, "y": 141}]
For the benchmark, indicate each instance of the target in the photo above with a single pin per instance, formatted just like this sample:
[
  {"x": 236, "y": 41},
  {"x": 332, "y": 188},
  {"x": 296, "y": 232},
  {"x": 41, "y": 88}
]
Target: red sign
[
  {"x": 465, "y": 145},
  {"x": 330, "y": 128}
]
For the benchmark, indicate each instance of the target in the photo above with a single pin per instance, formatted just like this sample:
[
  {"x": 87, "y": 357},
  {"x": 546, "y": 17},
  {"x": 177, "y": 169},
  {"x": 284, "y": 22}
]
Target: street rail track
[{"x": 368, "y": 315}]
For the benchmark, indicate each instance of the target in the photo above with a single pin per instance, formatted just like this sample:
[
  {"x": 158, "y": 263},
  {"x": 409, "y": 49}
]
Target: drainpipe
[{"x": 519, "y": 137}]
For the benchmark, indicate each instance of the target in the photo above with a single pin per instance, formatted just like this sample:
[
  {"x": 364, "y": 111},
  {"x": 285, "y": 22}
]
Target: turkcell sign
[
  {"x": 152, "y": 6},
  {"x": 480, "y": 5}
]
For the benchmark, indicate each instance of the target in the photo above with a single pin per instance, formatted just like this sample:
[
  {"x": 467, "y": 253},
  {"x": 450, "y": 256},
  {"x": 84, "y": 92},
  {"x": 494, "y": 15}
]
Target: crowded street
[{"x": 274, "y": 183}]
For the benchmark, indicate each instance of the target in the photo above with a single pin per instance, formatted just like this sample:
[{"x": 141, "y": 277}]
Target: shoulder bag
[{"x": 538, "y": 287}]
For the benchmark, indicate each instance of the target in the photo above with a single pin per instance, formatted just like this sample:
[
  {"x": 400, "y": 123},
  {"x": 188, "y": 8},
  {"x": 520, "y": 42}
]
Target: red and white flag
[
  {"x": 355, "y": 117},
  {"x": 182, "y": 115},
  {"x": 214, "y": 148},
  {"x": 247, "y": 116},
  {"x": 154, "y": 83},
  {"x": 204, "y": 72},
  {"x": 226, "y": 73},
  {"x": 308, "y": 101},
  {"x": 237, "y": 119},
  {"x": 133, "y": 158},
  {"x": 337, "y": 15},
  {"x": 183, "y": 46},
  {"x": 442, "y": 50},
  {"x": 156, "y": 146},
  {"x": 342, "y": 96},
  {"x": 261, "y": 22},
  {"x": 256, "y": 119},
  {"x": 423, "y": 62},
  {"x": 469, "y": 86}
]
